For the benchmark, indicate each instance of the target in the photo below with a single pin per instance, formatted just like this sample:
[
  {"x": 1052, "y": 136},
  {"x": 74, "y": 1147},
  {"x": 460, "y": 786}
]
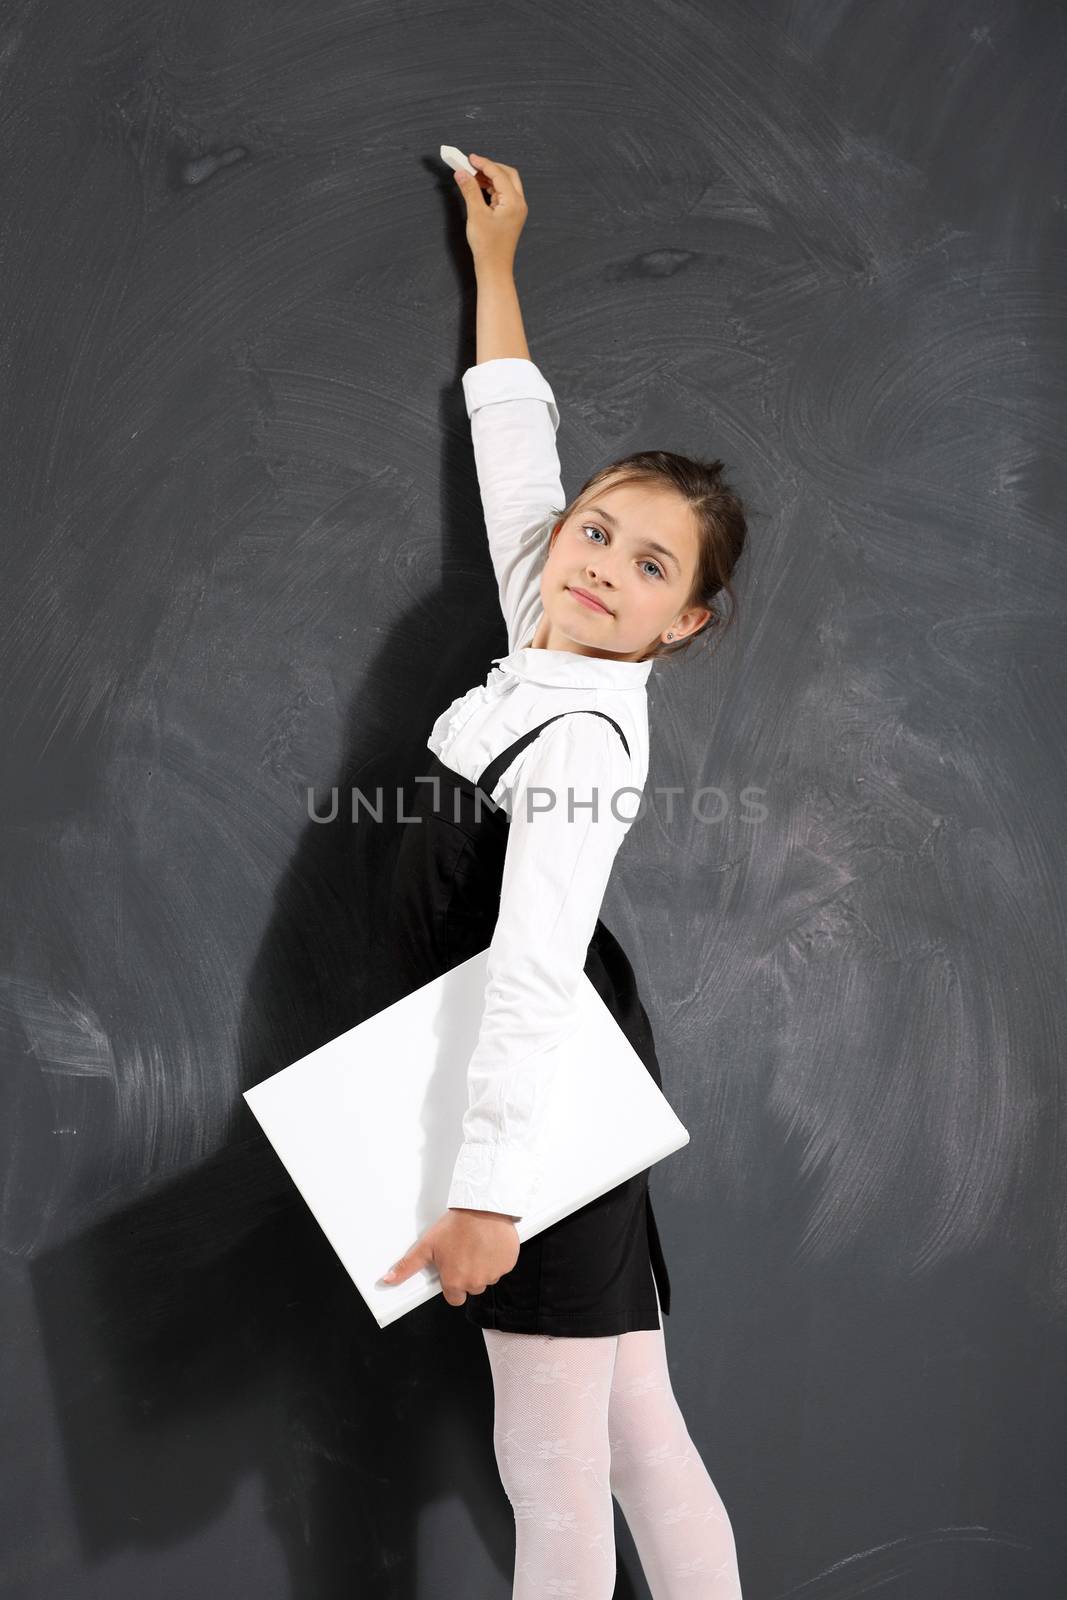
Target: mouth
[{"x": 586, "y": 599}]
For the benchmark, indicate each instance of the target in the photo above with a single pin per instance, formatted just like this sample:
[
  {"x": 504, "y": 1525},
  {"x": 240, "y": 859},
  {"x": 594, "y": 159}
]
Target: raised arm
[
  {"x": 513, "y": 428},
  {"x": 511, "y": 407}
]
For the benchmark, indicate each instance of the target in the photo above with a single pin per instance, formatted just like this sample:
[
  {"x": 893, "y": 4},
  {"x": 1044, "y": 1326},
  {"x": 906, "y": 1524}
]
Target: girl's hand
[
  {"x": 470, "y": 1249},
  {"x": 493, "y": 229}
]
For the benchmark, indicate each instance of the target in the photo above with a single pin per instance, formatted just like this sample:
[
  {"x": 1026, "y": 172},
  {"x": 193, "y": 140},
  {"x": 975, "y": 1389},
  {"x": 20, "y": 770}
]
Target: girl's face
[{"x": 634, "y": 549}]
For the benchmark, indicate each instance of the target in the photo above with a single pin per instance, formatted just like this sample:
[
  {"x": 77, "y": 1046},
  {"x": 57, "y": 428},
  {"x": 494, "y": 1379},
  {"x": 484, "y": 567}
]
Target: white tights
[{"x": 578, "y": 1420}]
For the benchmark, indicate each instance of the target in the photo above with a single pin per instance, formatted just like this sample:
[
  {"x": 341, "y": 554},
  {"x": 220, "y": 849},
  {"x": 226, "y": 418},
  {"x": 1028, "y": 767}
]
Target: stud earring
[{"x": 670, "y": 636}]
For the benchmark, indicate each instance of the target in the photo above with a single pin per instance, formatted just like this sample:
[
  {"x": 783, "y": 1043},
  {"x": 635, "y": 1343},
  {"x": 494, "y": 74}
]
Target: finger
[
  {"x": 496, "y": 171},
  {"x": 497, "y": 183},
  {"x": 403, "y": 1269},
  {"x": 473, "y": 190},
  {"x": 516, "y": 180},
  {"x": 502, "y": 167},
  {"x": 454, "y": 1296},
  {"x": 480, "y": 171}
]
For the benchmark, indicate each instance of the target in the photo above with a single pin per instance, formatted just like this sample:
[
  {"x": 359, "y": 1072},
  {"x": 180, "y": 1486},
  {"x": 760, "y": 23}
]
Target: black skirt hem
[
  {"x": 564, "y": 1327},
  {"x": 594, "y": 1324}
]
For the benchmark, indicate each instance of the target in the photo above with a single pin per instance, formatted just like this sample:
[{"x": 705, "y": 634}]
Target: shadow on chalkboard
[{"x": 208, "y": 1335}]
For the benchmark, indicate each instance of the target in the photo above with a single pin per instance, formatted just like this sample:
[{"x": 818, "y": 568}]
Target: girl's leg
[
  {"x": 673, "y": 1510},
  {"x": 550, "y": 1436}
]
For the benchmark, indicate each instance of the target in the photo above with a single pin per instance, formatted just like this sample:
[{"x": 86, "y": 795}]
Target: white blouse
[{"x": 559, "y": 855}]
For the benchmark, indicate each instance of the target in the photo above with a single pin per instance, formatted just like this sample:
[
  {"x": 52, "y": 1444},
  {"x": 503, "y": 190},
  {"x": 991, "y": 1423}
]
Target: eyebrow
[{"x": 650, "y": 544}]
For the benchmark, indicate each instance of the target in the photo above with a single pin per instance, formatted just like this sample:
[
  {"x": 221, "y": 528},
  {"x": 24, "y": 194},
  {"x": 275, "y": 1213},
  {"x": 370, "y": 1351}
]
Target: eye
[{"x": 648, "y": 562}]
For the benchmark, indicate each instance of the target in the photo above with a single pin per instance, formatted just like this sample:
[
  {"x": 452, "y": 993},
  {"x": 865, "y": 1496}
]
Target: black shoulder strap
[{"x": 491, "y": 776}]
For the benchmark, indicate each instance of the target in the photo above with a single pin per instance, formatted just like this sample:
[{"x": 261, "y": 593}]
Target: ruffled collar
[{"x": 568, "y": 670}]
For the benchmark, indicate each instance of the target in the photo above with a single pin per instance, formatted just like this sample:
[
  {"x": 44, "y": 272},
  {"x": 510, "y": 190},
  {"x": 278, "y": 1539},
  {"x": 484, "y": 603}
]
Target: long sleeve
[
  {"x": 556, "y": 870},
  {"x": 514, "y": 420}
]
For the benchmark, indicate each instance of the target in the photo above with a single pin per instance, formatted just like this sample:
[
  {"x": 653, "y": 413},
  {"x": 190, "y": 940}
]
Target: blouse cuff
[
  {"x": 507, "y": 378},
  {"x": 494, "y": 1177}
]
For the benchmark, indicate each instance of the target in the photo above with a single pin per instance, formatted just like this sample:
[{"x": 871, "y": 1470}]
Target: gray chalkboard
[{"x": 244, "y": 563}]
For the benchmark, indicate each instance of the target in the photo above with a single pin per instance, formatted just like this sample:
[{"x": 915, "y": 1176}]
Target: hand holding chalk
[{"x": 492, "y": 230}]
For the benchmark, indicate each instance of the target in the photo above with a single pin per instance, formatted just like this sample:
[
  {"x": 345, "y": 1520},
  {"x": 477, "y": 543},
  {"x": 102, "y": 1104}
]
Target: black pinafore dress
[{"x": 596, "y": 1271}]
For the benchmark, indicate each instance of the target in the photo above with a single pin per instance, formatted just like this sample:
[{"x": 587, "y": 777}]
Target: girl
[{"x": 557, "y": 739}]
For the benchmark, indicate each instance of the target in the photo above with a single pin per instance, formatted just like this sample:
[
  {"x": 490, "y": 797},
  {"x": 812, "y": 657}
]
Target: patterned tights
[{"x": 580, "y": 1420}]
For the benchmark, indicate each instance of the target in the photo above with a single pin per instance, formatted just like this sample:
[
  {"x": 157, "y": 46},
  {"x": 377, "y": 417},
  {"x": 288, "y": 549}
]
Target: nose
[{"x": 598, "y": 570}]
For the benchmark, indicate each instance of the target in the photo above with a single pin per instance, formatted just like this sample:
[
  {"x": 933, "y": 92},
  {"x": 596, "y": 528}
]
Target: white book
[{"x": 369, "y": 1126}]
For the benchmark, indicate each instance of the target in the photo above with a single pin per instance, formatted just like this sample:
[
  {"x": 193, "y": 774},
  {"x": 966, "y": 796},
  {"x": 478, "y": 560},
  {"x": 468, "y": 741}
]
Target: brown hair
[{"x": 721, "y": 526}]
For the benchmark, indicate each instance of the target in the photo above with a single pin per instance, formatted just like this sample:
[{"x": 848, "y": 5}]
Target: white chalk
[{"x": 456, "y": 160}]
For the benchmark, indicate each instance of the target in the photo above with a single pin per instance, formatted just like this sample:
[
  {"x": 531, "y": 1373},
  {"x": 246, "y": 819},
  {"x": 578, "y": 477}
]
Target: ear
[{"x": 692, "y": 621}]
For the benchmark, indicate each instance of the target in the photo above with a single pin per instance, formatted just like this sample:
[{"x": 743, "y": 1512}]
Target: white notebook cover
[{"x": 369, "y": 1126}]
